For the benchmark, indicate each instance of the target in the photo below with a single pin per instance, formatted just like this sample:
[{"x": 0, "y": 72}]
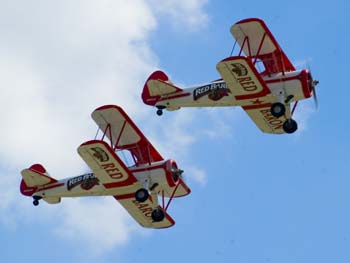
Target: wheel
[
  {"x": 35, "y": 202},
  {"x": 158, "y": 215},
  {"x": 290, "y": 126},
  {"x": 277, "y": 109},
  {"x": 141, "y": 195},
  {"x": 159, "y": 112}
]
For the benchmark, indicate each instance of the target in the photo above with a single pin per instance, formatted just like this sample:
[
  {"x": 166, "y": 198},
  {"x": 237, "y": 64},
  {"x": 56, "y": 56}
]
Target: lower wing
[{"x": 262, "y": 117}]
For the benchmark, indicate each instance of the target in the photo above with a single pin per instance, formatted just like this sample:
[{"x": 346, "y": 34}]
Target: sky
[{"x": 255, "y": 197}]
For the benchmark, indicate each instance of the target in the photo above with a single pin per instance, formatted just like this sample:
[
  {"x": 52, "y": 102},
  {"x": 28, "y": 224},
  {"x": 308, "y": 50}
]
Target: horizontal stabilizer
[
  {"x": 36, "y": 175},
  {"x": 157, "y": 85},
  {"x": 52, "y": 200}
]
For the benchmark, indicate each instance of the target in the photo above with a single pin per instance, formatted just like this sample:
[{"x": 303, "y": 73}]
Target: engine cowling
[
  {"x": 173, "y": 173},
  {"x": 166, "y": 174}
]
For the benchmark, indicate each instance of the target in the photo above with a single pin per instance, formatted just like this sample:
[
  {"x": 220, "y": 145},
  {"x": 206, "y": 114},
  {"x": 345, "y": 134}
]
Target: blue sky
[{"x": 255, "y": 197}]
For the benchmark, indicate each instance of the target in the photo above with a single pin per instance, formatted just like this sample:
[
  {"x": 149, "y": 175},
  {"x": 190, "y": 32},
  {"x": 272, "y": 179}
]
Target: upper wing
[
  {"x": 242, "y": 78},
  {"x": 257, "y": 42},
  {"x": 120, "y": 182},
  {"x": 262, "y": 117},
  {"x": 124, "y": 134}
]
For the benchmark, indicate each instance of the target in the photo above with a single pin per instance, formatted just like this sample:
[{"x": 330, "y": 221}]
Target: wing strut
[
  {"x": 246, "y": 39},
  {"x": 259, "y": 49},
  {"x": 119, "y": 136},
  {"x": 256, "y": 56},
  {"x": 294, "y": 106},
  {"x": 109, "y": 130},
  {"x": 165, "y": 207}
]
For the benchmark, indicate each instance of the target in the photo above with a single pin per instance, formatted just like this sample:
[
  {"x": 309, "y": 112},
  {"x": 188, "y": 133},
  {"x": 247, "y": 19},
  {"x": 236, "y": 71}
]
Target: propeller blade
[
  {"x": 314, "y": 83},
  {"x": 315, "y": 98}
]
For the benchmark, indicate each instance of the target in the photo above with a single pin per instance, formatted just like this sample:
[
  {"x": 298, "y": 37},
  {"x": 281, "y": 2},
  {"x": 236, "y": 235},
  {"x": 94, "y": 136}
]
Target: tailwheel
[
  {"x": 160, "y": 109},
  {"x": 290, "y": 126},
  {"x": 158, "y": 215},
  {"x": 36, "y": 200},
  {"x": 141, "y": 195},
  {"x": 277, "y": 109}
]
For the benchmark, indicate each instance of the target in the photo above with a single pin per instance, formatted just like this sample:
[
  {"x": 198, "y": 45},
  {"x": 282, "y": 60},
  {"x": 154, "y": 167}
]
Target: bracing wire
[
  {"x": 98, "y": 129},
  {"x": 233, "y": 48}
]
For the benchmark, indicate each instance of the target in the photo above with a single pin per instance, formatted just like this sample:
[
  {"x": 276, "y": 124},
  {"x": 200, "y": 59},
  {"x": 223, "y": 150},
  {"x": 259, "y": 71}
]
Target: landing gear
[
  {"x": 36, "y": 200},
  {"x": 290, "y": 126},
  {"x": 278, "y": 109},
  {"x": 159, "y": 112},
  {"x": 141, "y": 195},
  {"x": 158, "y": 215}
]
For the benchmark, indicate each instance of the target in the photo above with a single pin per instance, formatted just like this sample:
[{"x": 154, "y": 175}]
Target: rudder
[
  {"x": 156, "y": 85},
  {"x": 33, "y": 177}
]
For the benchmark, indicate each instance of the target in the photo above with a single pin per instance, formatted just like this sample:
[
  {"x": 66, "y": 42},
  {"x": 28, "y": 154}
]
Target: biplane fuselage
[
  {"x": 89, "y": 185},
  {"x": 217, "y": 93}
]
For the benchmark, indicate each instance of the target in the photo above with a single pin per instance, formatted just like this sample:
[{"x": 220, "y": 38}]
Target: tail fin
[
  {"x": 157, "y": 84},
  {"x": 33, "y": 177}
]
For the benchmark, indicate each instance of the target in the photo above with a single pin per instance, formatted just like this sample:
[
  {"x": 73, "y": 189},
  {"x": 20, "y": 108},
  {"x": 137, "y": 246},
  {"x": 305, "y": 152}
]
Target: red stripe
[
  {"x": 175, "y": 96},
  {"x": 265, "y": 91},
  {"x": 51, "y": 186},
  {"x": 253, "y": 107},
  {"x": 125, "y": 196},
  {"x": 129, "y": 181},
  {"x": 145, "y": 169}
]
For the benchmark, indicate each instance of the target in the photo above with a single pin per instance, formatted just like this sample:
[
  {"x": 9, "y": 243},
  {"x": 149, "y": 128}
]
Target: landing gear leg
[{"x": 36, "y": 200}]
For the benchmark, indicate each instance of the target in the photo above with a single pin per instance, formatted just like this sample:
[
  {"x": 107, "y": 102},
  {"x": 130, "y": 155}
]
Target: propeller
[
  {"x": 313, "y": 89},
  {"x": 312, "y": 84},
  {"x": 177, "y": 173}
]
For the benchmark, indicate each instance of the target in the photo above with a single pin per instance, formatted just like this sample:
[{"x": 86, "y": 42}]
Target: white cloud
[
  {"x": 100, "y": 223},
  {"x": 184, "y": 14},
  {"x": 60, "y": 60},
  {"x": 197, "y": 174},
  {"x": 303, "y": 112}
]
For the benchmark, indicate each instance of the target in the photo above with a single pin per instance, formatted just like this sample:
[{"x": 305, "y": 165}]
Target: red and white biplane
[
  {"x": 136, "y": 187},
  {"x": 263, "y": 82}
]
